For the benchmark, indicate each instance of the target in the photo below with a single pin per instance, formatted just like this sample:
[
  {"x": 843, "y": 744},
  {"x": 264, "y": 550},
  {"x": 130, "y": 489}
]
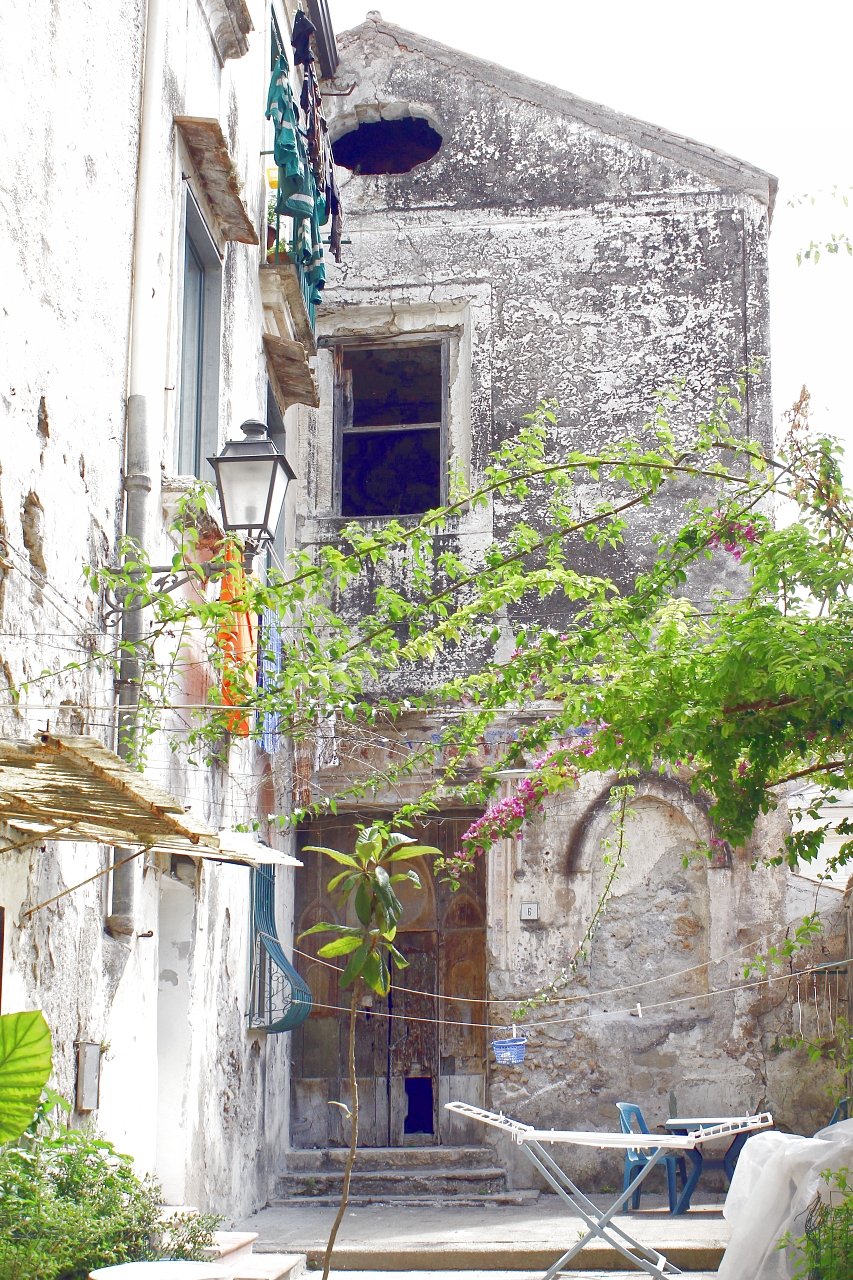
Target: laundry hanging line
[
  {"x": 607, "y": 991},
  {"x": 588, "y": 1017}
]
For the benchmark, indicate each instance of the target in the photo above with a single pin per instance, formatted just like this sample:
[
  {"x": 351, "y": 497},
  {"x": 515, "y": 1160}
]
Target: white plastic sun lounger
[{"x": 599, "y": 1221}]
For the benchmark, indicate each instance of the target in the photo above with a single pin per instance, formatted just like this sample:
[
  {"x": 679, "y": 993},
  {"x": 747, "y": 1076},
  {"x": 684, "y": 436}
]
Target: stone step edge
[
  {"x": 688, "y": 1256},
  {"x": 471, "y": 1149},
  {"x": 227, "y": 1243},
  {"x": 392, "y": 1175},
  {"x": 270, "y": 1266},
  {"x": 435, "y": 1200},
  {"x": 505, "y": 1275}
]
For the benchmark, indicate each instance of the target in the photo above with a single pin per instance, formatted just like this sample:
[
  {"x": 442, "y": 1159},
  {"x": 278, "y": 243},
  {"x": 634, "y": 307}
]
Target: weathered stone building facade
[
  {"x": 510, "y": 243},
  {"x": 507, "y": 242}
]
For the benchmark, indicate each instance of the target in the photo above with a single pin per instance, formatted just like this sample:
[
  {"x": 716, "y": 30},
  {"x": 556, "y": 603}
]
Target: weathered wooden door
[{"x": 421, "y": 1046}]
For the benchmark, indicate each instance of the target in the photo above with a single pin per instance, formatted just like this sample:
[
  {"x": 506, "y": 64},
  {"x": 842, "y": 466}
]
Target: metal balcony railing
[{"x": 280, "y": 999}]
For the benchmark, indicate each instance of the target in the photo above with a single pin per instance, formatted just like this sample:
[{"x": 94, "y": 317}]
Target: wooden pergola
[{"x": 73, "y": 788}]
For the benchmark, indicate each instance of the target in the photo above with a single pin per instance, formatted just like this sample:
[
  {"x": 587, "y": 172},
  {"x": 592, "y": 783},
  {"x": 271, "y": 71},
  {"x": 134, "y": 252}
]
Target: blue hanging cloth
[{"x": 269, "y": 666}]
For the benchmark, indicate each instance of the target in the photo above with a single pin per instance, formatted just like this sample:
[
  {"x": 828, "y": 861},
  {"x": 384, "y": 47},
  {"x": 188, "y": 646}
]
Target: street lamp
[{"x": 252, "y": 479}]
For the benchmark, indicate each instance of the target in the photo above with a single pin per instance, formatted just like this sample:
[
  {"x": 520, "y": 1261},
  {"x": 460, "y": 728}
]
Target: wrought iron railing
[{"x": 280, "y": 999}]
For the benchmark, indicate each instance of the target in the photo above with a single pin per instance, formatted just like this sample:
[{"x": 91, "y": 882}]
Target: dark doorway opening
[
  {"x": 419, "y": 1114},
  {"x": 387, "y": 146}
]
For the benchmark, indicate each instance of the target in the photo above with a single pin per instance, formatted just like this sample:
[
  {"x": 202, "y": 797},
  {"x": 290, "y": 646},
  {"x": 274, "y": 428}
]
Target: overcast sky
[{"x": 769, "y": 82}]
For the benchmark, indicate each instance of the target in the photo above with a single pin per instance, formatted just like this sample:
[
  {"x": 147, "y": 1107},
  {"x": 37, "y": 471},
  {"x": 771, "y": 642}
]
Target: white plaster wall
[{"x": 68, "y": 157}]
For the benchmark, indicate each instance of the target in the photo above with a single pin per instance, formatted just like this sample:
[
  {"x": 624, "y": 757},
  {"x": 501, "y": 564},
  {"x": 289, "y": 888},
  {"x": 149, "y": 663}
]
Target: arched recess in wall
[
  {"x": 384, "y": 138},
  {"x": 657, "y": 920}
]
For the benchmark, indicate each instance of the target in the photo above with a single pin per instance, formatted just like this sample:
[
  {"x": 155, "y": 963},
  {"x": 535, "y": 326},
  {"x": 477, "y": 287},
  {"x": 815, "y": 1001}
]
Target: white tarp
[{"x": 776, "y": 1178}]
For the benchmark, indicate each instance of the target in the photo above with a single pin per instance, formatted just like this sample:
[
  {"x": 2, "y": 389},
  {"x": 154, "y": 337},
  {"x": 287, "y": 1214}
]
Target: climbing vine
[{"x": 736, "y": 692}]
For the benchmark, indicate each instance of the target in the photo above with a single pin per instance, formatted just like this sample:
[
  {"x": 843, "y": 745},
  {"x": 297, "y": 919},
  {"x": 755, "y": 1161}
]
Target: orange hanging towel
[{"x": 237, "y": 641}]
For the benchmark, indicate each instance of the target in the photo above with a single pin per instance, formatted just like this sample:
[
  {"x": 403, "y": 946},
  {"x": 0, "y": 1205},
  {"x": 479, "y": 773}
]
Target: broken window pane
[{"x": 391, "y": 403}]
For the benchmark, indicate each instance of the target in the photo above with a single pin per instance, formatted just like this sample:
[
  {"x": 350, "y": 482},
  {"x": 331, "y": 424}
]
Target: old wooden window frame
[
  {"x": 197, "y": 434},
  {"x": 365, "y": 342}
]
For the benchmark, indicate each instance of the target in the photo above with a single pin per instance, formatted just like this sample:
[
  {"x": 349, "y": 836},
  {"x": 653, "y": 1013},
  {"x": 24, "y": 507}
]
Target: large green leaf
[
  {"x": 340, "y": 947},
  {"x": 328, "y": 928},
  {"x": 407, "y": 875},
  {"x": 344, "y": 858},
  {"x": 398, "y": 837},
  {"x": 413, "y": 851},
  {"x": 355, "y": 965},
  {"x": 26, "y": 1057}
]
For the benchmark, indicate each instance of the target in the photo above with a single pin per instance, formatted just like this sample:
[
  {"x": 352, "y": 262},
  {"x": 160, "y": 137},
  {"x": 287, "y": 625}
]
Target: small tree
[{"x": 368, "y": 882}]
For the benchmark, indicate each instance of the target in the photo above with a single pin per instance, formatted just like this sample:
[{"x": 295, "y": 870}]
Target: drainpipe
[{"x": 146, "y": 383}]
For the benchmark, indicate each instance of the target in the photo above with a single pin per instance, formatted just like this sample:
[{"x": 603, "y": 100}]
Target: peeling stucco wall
[
  {"x": 579, "y": 255},
  {"x": 68, "y": 153}
]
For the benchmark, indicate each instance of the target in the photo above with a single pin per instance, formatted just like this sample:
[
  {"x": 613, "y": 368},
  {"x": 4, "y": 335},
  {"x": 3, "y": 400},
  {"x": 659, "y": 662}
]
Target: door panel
[{"x": 414, "y": 1041}]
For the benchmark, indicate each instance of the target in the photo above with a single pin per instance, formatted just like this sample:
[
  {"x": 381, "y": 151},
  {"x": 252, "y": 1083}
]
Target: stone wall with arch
[{"x": 673, "y": 937}]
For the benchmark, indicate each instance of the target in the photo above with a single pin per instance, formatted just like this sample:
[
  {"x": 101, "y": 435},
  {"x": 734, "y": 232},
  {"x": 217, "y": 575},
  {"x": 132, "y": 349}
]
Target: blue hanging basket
[{"x": 510, "y": 1051}]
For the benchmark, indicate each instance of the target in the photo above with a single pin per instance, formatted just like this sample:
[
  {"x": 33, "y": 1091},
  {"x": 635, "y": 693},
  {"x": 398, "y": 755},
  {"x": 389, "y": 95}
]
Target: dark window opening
[
  {"x": 419, "y": 1116},
  {"x": 387, "y": 146},
  {"x": 391, "y": 402}
]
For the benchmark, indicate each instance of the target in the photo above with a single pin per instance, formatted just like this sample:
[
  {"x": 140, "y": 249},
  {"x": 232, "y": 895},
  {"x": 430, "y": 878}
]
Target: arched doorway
[{"x": 412, "y": 1050}]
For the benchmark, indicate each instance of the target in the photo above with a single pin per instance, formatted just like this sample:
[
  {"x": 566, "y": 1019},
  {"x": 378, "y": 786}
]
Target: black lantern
[{"x": 252, "y": 479}]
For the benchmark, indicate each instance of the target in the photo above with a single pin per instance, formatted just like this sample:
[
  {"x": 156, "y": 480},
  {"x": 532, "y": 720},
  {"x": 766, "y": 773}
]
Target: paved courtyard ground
[{"x": 488, "y": 1242}]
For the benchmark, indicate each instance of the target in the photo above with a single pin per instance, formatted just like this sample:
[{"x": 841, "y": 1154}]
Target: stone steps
[
  {"x": 457, "y": 1200},
  {"x": 689, "y": 1256},
  {"x": 311, "y": 1159},
  {"x": 437, "y": 1182},
  {"x": 392, "y": 1174}
]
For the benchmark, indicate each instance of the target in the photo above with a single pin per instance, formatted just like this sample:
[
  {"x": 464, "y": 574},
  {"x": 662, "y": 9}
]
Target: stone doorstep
[
  {"x": 456, "y": 1200},
  {"x": 230, "y": 1247},
  {"x": 327, "y": 1159},
  {"x": 234, "y": 1249},
  {"x": 435, "y": 1182},
  {"x": 270, "y": 1266},
  {"x": 688, "y": 1256},
  {"x": 502, "y": 1275}
]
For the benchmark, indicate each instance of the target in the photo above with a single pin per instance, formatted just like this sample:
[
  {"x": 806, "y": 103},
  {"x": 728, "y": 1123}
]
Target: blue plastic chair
[
  {"x": 841, "y": 1112},
  {"x": 635, "y": 1160}
]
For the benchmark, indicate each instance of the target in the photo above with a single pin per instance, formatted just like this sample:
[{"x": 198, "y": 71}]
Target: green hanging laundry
[{"x": 288, "y": 152}]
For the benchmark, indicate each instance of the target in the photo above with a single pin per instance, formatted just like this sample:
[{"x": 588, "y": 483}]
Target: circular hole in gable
[{"x": 387, "y": 146}]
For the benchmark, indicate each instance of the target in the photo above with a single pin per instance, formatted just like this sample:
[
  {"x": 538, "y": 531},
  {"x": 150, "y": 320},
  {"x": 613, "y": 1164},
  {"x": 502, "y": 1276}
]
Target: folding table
[
  {"x": 600, "y": 1221},
  {"x": 699, "y": 1160}
]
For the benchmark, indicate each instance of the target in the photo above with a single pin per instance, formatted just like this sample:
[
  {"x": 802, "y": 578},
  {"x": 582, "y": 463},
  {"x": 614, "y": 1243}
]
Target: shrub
[
  {"x": 69, "y": 1202},
  {"x": 825, "y": 1252}
]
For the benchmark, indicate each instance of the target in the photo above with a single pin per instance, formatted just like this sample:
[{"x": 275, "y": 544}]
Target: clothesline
[
  {"x": 588, "y": 1017},
  {"x": 588, "y": 995}
]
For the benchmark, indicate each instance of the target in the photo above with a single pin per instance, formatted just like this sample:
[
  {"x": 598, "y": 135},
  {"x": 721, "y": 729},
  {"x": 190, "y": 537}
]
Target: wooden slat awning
[{"x": 75, "y": 789}]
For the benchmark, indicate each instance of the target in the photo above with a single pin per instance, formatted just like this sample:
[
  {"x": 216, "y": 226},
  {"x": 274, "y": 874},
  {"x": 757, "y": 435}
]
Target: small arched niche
[{"x": 387, "y": 145}]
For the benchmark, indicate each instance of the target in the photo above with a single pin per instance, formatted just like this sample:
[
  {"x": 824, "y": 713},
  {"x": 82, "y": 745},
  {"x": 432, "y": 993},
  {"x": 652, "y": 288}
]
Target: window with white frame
[{"x": 198, "y": 403}]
